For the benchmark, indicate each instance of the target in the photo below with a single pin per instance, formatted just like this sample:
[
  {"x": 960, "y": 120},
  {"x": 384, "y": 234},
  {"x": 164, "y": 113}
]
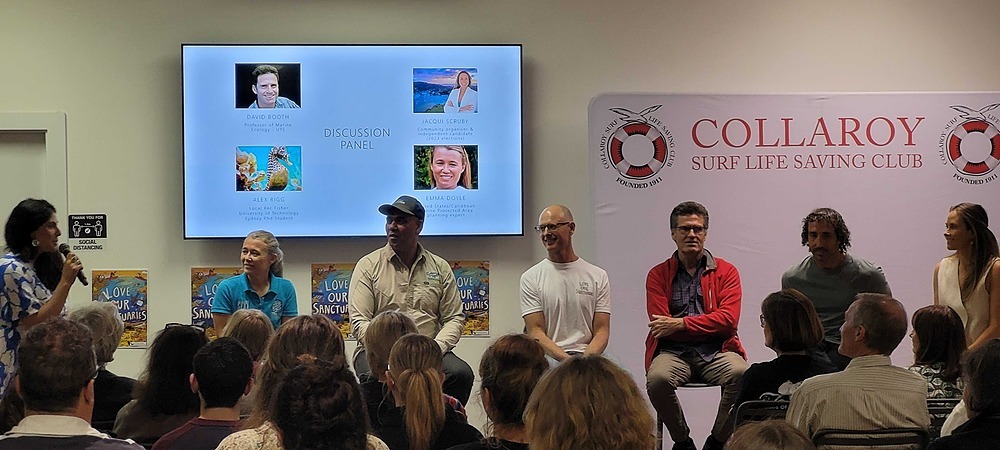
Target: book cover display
[
  {"x": 204, "y": 282},
  {"x": 127, "y": 289}
]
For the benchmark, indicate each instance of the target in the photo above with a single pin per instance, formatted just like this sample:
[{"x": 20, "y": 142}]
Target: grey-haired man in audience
[
  {"x": 870, "y": 393},
  {"x": 56, "y": 381}
]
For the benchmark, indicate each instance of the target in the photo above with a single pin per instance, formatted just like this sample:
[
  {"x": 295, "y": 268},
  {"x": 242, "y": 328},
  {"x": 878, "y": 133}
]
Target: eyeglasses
[
  {"x": 550, "y": 226},
  {"x": 177, "y": 324},
  {"x": 686, "y": 229}
]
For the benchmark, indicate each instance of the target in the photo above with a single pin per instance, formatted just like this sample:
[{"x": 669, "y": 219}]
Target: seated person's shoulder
[
  {"x": 457, "y": 431},
  {"x": 251, "y": 438},
  {"x": 912, "y": 375},
  {"x": 113, "y": 444},
  {"x": 89, "y": 442},
  {"x": 284, "y": 283},
  {"x": 866, "y": 268},
  {"x": 817, "y": 383}
]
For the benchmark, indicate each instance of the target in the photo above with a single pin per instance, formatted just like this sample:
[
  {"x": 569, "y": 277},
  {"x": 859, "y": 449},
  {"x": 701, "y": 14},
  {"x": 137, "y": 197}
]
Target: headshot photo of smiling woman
[
  {"x": 445, "y": 167},
  {"x": 463, "y": 98}
]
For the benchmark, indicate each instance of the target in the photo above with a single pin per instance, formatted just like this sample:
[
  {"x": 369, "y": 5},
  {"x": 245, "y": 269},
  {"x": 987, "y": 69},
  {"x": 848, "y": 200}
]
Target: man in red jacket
[{"x": 693, "y": 301}]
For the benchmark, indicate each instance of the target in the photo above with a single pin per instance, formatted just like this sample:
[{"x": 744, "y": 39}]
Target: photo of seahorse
[{"x": 283, "y": 171}]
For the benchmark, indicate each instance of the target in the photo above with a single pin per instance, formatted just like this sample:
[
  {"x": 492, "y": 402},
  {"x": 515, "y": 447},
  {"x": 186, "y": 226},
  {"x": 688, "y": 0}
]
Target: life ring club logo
[
  {"x": 970, "y": 142},
  {"x": 636, "y": 146}
]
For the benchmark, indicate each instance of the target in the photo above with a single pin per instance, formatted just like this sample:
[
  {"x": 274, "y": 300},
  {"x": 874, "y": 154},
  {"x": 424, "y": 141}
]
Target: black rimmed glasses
[
  {"x": 550, "y": 226},
  {"x": 686, "y": 229}
]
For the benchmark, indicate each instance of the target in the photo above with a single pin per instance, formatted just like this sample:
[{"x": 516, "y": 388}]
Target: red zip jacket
[{"x": 720, "y": 286}]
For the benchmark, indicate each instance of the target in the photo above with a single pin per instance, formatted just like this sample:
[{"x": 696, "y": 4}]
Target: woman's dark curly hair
[{"x": 318, "y": 405}]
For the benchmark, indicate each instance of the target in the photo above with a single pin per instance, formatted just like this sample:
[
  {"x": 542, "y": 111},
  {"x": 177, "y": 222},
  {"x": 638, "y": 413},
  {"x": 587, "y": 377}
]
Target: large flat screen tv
[{"x": 308, "y": 140}]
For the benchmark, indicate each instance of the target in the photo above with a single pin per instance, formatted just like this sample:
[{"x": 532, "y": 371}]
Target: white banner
[{"x": 891, "y": 164}]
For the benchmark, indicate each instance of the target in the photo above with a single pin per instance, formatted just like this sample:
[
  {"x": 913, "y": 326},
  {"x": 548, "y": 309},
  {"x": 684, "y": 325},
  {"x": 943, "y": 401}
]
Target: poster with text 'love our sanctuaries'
[
  {"x": 127, "y": 290},
  {"x": 473, "y": 279},
  {"x": 330, "y": 283},
  {"x": 204, "y": 282}
]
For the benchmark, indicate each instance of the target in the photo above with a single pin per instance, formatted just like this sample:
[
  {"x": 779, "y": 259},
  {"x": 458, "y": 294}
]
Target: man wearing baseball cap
[{"x": 404, "y": 276}]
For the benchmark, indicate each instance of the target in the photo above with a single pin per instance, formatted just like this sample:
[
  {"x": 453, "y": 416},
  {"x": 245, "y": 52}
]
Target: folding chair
[
  {"x": 756, "y": 410},
  {"x": 889, "y": 438},
  {"x": 939, "y": 409}
]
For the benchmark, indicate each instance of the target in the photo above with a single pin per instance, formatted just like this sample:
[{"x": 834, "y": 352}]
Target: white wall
[{"x": 113, "y": 67}]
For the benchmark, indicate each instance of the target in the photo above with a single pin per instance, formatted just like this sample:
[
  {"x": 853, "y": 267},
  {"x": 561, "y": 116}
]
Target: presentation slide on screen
[{"x": 309, "y": 140}]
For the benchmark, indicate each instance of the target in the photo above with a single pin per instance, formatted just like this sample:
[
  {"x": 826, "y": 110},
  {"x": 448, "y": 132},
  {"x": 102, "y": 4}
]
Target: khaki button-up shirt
[{"x": 427, "y": 292}]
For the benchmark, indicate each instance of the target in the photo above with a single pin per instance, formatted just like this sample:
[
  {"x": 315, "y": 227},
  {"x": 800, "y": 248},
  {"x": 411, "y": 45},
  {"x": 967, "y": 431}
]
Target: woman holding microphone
[{"x": 34, "y": 286}]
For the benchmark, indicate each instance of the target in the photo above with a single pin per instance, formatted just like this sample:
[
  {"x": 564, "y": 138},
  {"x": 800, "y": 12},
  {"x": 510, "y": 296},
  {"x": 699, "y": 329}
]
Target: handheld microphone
[{"x": 64, "y": 249}]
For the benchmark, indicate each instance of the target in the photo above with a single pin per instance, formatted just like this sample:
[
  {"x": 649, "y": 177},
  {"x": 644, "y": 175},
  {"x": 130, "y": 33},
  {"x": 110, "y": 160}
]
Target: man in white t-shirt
[{"x": 565, "y": 301}]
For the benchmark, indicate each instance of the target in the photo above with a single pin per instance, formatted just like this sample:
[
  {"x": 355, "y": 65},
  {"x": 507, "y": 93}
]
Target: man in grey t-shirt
[{"x": 830, "y": 276}]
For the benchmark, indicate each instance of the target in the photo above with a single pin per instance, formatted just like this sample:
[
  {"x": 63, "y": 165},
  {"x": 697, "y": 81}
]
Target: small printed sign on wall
[{"x": 88, "y": 226}]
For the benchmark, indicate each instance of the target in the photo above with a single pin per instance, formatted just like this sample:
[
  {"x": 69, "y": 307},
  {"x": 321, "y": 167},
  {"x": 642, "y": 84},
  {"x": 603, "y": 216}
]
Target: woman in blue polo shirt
[{"x": 259, "y": 287}]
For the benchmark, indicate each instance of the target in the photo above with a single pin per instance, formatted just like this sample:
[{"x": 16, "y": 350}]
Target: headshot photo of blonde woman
[{"x": 445, "y": 167}]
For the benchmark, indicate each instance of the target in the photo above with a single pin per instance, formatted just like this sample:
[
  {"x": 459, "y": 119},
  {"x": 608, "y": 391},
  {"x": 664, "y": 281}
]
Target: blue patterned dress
[{"x": 23, "y": 294}]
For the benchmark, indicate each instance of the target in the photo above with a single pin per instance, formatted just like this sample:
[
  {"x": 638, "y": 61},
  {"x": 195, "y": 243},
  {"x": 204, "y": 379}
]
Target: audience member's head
[
  {"x": 314, "y": 335},
  {"x": 164, "y": 386},
  {"x": 980, "y": 371},
  {"x": 57, "y": 368},
  {"x": 318, "y": 403},
  {"x": 938, "y": 337},
  {"x": 106, "y": 328},
  {"x": 588, "y": 402},
  {"x": 510, "y": 368},
  {"x": 222, "y": 372},
  {"x": 769, "y": 434},
  {"x": 415, "y": 377},
  {"x": 382, "y": 333},
  {"x": 252, "y": 328},
  {"x": 790, "y": 322},
  {"x": 873, "y": 325}
]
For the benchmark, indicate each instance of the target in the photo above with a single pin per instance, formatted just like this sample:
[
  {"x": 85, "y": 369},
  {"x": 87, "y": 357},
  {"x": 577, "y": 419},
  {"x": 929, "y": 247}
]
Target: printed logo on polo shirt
[
  {"x": 636, "y": 145},
  {"x": 584, "y": 288},
  {"x": 276, "y": 307},
  {"x": 435, "y": 276},
  {"x": 970, "y": 142}
]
